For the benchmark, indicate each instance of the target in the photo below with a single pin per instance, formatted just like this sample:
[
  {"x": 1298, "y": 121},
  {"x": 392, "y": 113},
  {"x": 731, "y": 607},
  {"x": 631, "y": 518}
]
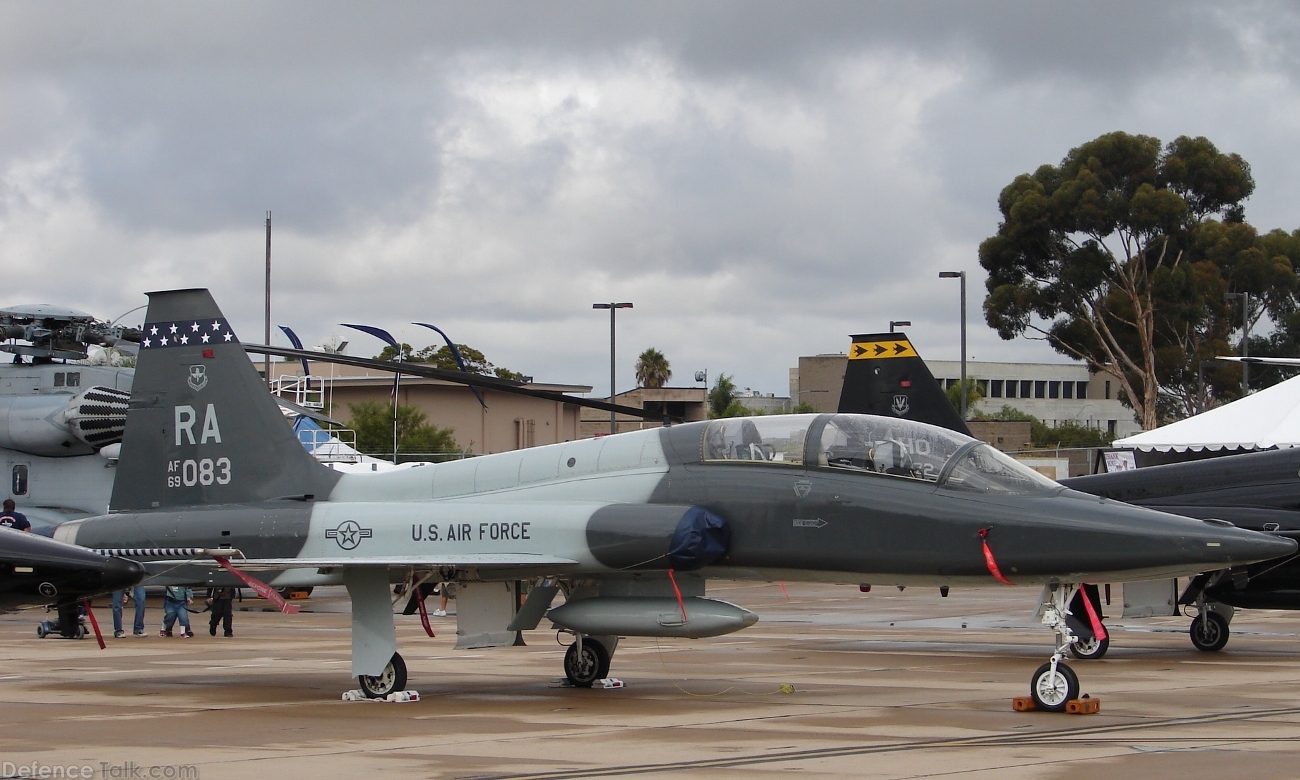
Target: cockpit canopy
[{"x": 867, "y": 443}]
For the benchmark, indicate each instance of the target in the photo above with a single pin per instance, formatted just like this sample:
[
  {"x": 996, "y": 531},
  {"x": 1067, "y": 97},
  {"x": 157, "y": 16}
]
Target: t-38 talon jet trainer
[
  {"x": 1258, "y": 491},
  {"x": 630, "y": 526}
]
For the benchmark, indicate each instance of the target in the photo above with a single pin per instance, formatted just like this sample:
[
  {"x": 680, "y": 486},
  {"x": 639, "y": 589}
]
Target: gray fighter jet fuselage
[{"x": 629, "y": 527}]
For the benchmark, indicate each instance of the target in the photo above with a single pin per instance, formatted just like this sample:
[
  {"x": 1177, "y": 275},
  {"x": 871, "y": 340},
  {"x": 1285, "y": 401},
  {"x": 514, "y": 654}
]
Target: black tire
[
  {"x": 1091, "y": 650},
  {"x": 391, "y": 680},
  {"x": 1053, "y": 692},
  {"x": 40, "y": 630},
  {"x": 592, "y": 666},
  {"x": 1209, "y": 631}
]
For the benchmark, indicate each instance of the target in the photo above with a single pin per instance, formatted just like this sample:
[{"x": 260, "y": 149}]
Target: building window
[
  {"x": 1081, "y": 390},
  {"x": 1011, "y": 388},
  {"x": 1108, "y": 391},
  {"x": 1067, "y": 390},
  {"x": 995, "y": 388},
  {"x": 1040, "y": 389},
  {"x": 1053, "y": 389},
  {"x": 1110, "y": 425},
  {"x": 525, "y": 433},
  {"x": 984, "y": 386},
  {"x": 1026, "y": 388}
]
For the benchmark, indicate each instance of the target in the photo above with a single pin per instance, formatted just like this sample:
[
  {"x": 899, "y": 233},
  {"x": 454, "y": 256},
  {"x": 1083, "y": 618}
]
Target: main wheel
[
  {"x": 585, "y": 668},
  {"x": 1090, "y": 650},
  {"x": 391, "y": 680},
  {"x": 1052, "y": 690},
  {"x": 1209, "y": 631}
]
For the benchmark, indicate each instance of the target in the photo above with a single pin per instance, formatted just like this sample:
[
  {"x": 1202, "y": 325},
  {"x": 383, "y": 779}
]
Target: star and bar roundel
[
  {"x": 187, "y": 333},
  {"x": 887, "y": 348}
]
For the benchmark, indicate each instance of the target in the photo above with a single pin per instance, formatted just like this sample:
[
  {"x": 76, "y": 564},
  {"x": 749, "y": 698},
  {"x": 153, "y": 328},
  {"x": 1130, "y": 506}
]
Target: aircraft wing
[
  {"x": 1266, "y": 361},
  {"x": 484, "y": 560}
]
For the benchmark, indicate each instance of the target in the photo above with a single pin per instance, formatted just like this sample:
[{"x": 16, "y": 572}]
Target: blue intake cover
[{"x": 700, "y": 539}]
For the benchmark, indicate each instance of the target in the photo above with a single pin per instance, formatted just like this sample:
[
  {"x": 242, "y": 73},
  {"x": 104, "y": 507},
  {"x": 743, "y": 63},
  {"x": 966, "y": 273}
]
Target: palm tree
[{"x": 652, "y": 369}]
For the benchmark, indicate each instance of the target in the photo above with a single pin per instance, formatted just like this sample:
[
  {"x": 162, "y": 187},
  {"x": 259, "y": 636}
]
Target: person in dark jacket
[{"x": 223, "y": 610}]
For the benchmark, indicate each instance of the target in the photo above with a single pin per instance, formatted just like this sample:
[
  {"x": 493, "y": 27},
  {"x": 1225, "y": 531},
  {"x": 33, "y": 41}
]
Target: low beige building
[{"x": 510, "y": 422}]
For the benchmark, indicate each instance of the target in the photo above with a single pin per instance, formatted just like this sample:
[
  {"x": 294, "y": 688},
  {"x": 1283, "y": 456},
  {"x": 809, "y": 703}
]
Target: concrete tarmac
[{"x": 886, "y": 685}]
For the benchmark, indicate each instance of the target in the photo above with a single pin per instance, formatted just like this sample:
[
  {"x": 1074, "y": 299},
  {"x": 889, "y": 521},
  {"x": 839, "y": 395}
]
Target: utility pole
[
  {"x": 613, "y": 307},
  {"x": 266, "y": 363},
  {"x": 960, "y": 275},
  {"x": 1245, "y": 337}
]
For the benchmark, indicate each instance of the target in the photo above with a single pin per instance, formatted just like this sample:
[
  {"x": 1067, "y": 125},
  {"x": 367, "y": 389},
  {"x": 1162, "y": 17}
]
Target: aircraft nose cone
[
  {"x": 1255, "y": 546},
  {"x": 120, "y": 573}
]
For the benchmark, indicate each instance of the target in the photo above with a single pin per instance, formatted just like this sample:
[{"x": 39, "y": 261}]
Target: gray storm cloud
[{"x": 762, "y": 179}]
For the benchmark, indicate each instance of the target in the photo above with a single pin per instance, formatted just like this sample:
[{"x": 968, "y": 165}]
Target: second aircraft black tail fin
[
  {"x": 886, "y": 376},
  {"x": 202, "y": 427}
]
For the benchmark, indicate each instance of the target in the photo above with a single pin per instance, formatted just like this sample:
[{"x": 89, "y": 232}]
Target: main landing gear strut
[{"x": 1054, "y": 684}]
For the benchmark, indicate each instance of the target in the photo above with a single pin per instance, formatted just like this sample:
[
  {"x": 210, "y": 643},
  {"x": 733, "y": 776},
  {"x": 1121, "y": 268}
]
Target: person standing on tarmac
[
  {"x": 13, "y": 519},
  {"x": 137, "y": 595},
  {"x": 223, "y": 610},
  {"x": 175, "y": 600}
]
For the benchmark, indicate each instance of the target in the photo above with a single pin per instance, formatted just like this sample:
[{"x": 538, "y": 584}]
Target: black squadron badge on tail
[{"x": 886, "y": 376}]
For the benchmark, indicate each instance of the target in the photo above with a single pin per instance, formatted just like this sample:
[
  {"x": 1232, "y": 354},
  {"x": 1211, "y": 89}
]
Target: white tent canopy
[{"x": 1263, "y": 421}]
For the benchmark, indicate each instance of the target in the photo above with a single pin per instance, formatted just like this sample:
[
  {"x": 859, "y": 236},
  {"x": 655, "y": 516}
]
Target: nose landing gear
[{"x": 1054, "y": 684}]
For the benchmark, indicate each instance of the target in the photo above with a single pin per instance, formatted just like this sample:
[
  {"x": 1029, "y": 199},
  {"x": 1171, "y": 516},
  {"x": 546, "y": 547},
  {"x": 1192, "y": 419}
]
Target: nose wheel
[
  {"x": 1209, "y": 631},
  {"x": 1053, "y": 686},
  {"x": 391, "y": 680}
]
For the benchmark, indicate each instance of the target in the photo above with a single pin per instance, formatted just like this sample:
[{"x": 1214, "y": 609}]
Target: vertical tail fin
[
  {"x": 201, "y": 427},
  {"x": 886, "y": 376}
]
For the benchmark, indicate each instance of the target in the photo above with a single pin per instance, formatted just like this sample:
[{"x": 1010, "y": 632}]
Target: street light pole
[
  {"x": 266, "y": 361},
  {"x": 1245, "y": 337},
  {"x": 613, "y": 307},
  {"x": 960, "y": 275},
  {"x": 899, "y": 323}
]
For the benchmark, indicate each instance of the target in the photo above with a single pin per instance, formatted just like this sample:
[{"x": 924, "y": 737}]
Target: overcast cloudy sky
[{"x": 760, "y": 179}]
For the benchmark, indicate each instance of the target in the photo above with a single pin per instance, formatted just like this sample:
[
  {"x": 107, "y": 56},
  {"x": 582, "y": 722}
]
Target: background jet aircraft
[
  {"x": 886, "y": 376},
  {"x": 1259, "y": 491},
  {"x": 37, "y": 571},
  {"x": 629, "y": 527}
]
